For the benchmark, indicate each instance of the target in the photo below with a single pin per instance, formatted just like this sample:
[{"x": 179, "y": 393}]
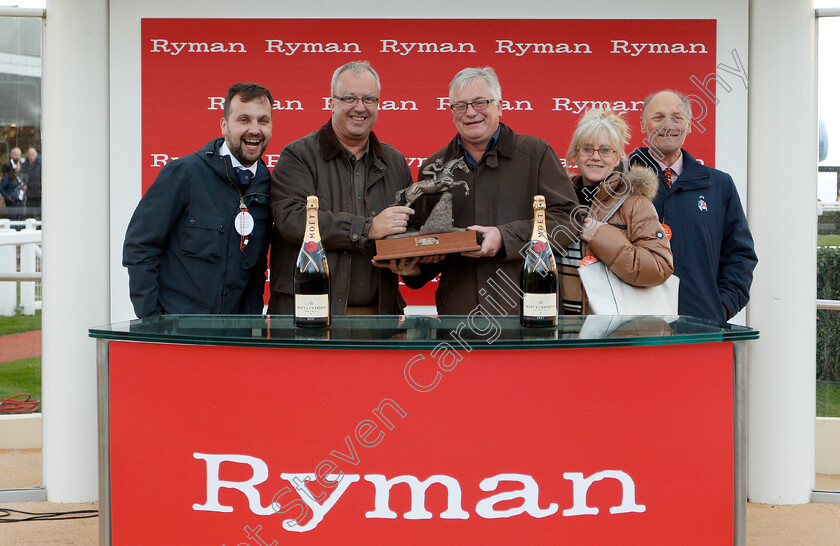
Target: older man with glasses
[
  {"x": 506, "y": 171},
  {"x": 355, "y": 177}
]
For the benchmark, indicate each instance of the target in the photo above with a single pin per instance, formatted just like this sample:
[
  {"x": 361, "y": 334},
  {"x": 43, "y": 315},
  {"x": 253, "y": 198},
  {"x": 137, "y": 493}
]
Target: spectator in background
[
  {"x": 12, "y": 185},
  {"x": 13, "y": 164},
  {"x": 31, "y": 169}
]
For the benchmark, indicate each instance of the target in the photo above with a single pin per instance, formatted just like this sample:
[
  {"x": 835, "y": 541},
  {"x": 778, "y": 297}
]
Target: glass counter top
[{"x": 477, "y": 331}]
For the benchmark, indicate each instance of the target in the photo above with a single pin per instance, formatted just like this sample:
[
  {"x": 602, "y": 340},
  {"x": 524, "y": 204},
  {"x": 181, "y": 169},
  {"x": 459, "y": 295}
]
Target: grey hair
[
  {"x": 685, "y": 103},
  {"x": 469, "y": 75},
  {"x": 356, "y": 67},
  {"x": 595, "y": 123}
]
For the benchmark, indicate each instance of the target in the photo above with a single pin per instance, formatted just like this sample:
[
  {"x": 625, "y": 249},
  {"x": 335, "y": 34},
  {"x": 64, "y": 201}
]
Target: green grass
[
  {"x": 21, "y": 376},
  {"x": 828, "y": 240},
  {"x": 20, "y": 323},
  {"x": 828, "y": 399}
]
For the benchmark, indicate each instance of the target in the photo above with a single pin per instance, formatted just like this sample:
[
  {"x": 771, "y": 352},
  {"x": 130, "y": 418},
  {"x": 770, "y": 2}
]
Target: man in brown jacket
[
  {"x": 506, "y": 171},
  {"x": 355, "y": 177}
]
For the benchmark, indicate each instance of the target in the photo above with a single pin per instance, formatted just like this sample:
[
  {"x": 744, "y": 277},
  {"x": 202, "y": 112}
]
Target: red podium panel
[{"x": 614, "y": 445}]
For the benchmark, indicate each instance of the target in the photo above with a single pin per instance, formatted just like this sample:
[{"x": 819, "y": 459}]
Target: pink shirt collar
[{"x": 676, "y": 168}]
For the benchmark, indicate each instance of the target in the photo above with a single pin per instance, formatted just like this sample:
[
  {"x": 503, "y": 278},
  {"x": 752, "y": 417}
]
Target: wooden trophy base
[{"x": 428, "y": 244}]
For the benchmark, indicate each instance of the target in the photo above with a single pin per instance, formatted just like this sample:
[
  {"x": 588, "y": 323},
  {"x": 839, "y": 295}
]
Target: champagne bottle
[
  {"x": 312, "y": 275},
  {"x": 539, "y": 280}
]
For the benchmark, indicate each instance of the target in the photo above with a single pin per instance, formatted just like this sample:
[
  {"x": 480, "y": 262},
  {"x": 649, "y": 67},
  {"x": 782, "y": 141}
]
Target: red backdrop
[{"x": 550, "y": 71}]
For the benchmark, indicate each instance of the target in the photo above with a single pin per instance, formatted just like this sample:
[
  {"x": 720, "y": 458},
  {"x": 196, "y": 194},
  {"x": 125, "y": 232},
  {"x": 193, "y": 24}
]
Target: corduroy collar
[{"x": 331, "y": 146}]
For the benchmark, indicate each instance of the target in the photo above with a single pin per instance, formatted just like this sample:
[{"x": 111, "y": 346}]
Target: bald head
[
  {"x": 666, "y": 120},
  {"x": 683, "y": 98}
]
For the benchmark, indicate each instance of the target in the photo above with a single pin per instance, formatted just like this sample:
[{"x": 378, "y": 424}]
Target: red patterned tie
[{"x": 668, "y": 176}]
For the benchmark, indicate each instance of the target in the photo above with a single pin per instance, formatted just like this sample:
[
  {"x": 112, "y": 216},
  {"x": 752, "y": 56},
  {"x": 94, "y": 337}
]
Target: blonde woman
[{"x": 631, "y": 242}]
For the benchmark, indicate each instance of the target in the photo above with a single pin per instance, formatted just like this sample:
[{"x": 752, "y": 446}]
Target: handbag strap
[{"x": 620, "y": 201}]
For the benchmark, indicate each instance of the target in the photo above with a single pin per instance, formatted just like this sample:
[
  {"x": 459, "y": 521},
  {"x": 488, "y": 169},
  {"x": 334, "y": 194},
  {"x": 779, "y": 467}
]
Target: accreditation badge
[{"x": 244, "y": 223}]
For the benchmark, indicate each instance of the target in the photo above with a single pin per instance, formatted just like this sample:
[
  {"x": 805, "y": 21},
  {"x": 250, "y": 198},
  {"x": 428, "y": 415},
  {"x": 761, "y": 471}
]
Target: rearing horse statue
[{"x": 443, "y": 180}]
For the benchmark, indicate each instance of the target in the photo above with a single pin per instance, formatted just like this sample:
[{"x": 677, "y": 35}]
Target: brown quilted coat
[{"x": 633, "y": 243}]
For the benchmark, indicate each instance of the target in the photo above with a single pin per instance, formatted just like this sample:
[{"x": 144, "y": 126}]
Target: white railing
[
  {"x": 823, "y": 206},
  {"x": 20, "y": 264}
]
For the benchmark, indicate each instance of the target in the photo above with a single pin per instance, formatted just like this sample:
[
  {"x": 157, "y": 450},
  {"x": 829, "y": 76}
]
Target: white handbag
[{"x": 609, "y": 295}]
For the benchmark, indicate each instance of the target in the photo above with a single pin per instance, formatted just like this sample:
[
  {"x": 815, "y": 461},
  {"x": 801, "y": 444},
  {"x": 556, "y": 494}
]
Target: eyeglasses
[
  {"x": 603, "y": 151},
  {"x": 351, "y": 100},
  {"x": 478, "y": 105}
]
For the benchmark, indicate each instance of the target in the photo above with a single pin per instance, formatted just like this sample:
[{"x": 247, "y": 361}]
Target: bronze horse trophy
[
  {"x": 442, "y": 181},
  {"x": 437, "y": 235}
]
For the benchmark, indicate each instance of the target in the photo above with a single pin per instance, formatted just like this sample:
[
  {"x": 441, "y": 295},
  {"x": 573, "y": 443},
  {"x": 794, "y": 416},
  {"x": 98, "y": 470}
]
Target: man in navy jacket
[
  {"x": 713, "y": 249},
  {"x": 198, "y": 240}
]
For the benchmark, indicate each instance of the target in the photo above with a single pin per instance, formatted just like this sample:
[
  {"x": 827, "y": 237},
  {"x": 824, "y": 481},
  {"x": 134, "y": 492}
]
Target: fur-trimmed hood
[{"x": 643, "y": 181}]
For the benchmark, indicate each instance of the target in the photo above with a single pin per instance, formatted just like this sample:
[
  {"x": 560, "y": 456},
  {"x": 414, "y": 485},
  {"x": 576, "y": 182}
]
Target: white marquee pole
[
  {"x": 782, "y": 174},
  {"x": 76, "y": 240}
]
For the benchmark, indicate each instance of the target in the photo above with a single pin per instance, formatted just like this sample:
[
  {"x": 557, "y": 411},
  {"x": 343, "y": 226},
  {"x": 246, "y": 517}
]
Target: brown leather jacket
[
  {"x": 316, "y": 165},
  {"x": 633, "y": 243}
]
